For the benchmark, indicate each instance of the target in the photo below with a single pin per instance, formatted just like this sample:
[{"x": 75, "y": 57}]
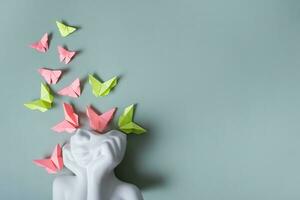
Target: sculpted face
[
  {"x": 87, "y": 147},
  {"x": 92, "y": 157}
]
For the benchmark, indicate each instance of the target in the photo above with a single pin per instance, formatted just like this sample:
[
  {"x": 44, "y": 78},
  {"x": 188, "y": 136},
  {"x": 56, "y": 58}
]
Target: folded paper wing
[
  {"x": 71, "y": 122},
  {"x": 39, "y": 104},
  {"x": 46, "y": 94},
  {"x": 102, "y": 89},
  {"x": 42, "y": 45},
  {"x": 53, "y": 164},
  {"x": 70, "y": 114},
  {"x": 72, "y": 90},
  {"x": 50, "y": 76},
  {"x": 100, "y": 122},
  {"x": 132, "y": 127},
  {"x": 126, "y": 123},
  {"x": 64, "y": 30},
  {"x": 44, "y": 103},
  {"x": 65, "y": 55},
  {"x": 64, "y": 126}
]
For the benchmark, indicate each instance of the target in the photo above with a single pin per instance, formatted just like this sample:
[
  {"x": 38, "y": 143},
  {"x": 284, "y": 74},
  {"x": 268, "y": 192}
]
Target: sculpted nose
[{"x": 82, "y": 136}]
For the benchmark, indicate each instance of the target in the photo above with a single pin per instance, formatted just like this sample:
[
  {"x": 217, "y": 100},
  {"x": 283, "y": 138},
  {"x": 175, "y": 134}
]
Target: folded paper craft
[
  {"x": 65, "y": 55},
  {"x": 126, "y": 123},
  {"x": 72, "y": 90},
  {"x": 42, "y": 45},
  {"x": 99, "y": 122},
  {"x": 64, "y": 30},
  {"x": 44, "y": 103},
  {"x": 102, "y": 89},
  {"x": 71, "y": 122},
  {"x": 53, "y": 164},
  {"x": 50, "y": 76}
]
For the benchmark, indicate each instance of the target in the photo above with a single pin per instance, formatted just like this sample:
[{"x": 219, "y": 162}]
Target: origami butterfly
[
  {"x": 64, "y": 29},
  {"x": 54, "y": 163},
  {"x": 126, "y": 123},
  {"x": 44, "y": 103},
  {"x": 65, "y": 55},
  {"x": 102, "y": 89},
  {"x": 71, "y": 122},
  {"x": 50, "y": 76},
  {"x": 72, "y": 90},
  {"x": 100, "y": 122},
  {"x": 42, "y": 45}
]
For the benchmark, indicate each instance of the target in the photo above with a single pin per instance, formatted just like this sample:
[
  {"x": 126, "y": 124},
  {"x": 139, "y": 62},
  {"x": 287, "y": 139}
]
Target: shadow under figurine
[{"x": 92, "y": 158}]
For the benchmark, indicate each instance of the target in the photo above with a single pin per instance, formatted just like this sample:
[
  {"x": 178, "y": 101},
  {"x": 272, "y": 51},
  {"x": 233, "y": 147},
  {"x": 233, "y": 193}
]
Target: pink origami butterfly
[
  {"x": 100, "y": 122},
  {"x": 51, "y": 76},
  {"x": 72, "y": 90},
  {"x": 65, "y": 55},
  {"x": 42, "y": 45},
  {"x": 71, "y": 122},
  {"x": 54, "y": 163}
]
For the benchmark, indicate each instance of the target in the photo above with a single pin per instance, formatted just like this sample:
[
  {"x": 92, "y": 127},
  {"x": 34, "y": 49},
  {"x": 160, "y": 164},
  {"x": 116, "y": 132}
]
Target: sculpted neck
[{"x": 99, "y": 185}]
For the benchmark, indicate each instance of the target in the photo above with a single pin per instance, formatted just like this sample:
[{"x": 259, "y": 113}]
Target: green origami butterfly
[
  {"x": 64, "y": 29},
  {"x": 44, "y": 103},
  {"x": 126, "y": 123},
  {"x": 102, "y": 89}
]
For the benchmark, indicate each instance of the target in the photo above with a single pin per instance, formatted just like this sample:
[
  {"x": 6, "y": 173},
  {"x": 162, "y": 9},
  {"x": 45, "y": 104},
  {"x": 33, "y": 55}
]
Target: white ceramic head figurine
[{"x": 92, "y": 158}]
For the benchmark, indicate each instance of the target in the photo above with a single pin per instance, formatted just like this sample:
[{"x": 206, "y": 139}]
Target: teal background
[{"x": 216, "y": 82}]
